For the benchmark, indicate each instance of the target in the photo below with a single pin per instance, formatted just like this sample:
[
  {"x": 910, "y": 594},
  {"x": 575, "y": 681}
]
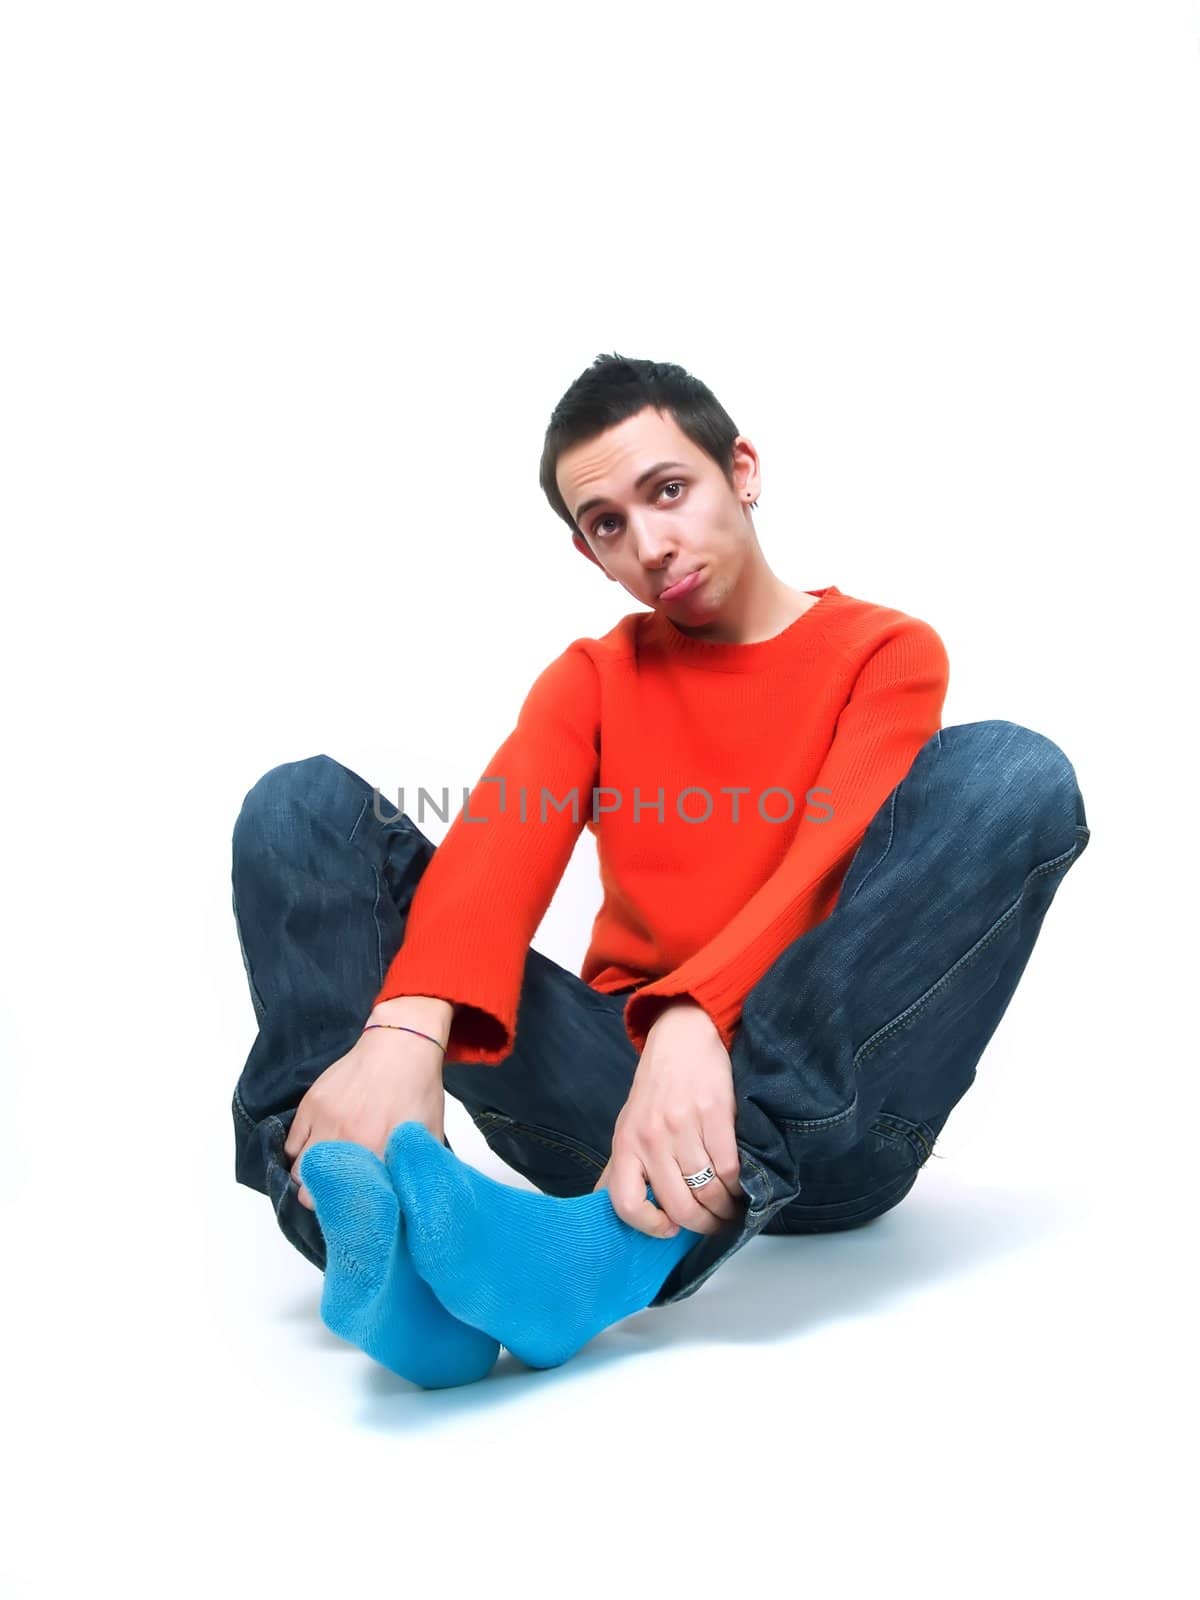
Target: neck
[{"x": 759, "y": 608}]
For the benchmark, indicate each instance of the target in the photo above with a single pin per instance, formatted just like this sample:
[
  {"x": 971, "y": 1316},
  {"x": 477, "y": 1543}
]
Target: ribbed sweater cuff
[{"x": 483, "y": 1028}]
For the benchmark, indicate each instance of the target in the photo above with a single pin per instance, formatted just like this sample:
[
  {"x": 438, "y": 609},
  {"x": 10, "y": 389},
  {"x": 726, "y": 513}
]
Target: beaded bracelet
[{"x": 403, "y": 1029}]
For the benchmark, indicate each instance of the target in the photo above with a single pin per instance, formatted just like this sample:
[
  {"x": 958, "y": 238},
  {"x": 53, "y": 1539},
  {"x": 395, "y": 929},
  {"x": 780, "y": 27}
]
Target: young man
[{"x": 817, "y": 905}]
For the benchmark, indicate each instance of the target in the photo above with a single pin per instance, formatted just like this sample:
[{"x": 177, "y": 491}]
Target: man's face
[{"x": 682, "y": 518}]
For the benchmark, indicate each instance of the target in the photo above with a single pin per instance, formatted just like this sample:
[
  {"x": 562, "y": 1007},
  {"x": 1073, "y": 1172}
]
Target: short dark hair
[{"x": 615, "y": 387}]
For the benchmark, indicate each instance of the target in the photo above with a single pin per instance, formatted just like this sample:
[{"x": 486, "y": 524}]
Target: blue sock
[
  {"x": 541, "y": 1274},
  {"x": 372, "y": 1295}
]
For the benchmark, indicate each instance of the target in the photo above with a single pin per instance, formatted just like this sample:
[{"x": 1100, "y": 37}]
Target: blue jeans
[{"x": 853, "y": 1047}]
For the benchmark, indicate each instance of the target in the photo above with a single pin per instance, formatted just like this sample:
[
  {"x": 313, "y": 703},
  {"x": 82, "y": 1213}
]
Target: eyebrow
[{"x": 650, "y": 472}]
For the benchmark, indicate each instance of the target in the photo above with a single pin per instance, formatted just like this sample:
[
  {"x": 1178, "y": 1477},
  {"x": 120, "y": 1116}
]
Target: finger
[
  {"x": 627, "y": 1190},
  {"x": 302, "y": 1194},
  {"x": 297, "y": 1136},
  {"x": 720, "y": 1140},
  {"x": 714, "y": 1196},
  {"x": 307, "y": 1145},
  {"x": 674, "y": 1196}
]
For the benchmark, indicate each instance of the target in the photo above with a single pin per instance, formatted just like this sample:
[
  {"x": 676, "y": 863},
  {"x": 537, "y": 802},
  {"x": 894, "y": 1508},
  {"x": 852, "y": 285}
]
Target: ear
[{"x": 585, "y": 549}]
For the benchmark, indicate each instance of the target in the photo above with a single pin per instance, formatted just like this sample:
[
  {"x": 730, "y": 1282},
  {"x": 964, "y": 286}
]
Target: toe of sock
[
  {"x": 414, "y": 1160},
  {"x": 355, "y": 1204}
]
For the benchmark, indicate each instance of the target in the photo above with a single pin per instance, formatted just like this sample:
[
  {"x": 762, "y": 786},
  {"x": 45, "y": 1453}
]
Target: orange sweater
[{"x": 727, "y": 787}]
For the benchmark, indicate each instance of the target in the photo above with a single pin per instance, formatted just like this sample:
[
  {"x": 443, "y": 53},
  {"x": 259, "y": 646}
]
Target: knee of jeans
[
  {"x": 1012, "y": 762},
  {"x": 275, "y": 796},
  {"x": 1050, "y": 785},
  {"x": 995, "y": 739}
]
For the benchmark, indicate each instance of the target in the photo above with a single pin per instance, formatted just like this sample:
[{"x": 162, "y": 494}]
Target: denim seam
[
  {"x": 362, "y": 813},
  {"x": 910, "y": 1013},
  {"x": 817, "y": 1124},
  {"x": 239, "y": 1110},
  {"x": 350, "y": 839},
  {"x": 273, "y": 1161},
  {"x": 886, "y": 848},
  {"x": 752, "y": 1224},
  {"x": 745, "y": 1234},
  {"x": 378, "y": 930},
  {"x": 908, "y": 1131},
  {"x": 498, "y": 1119},
  {"x": 378, "y": 895},
  {"x": 759, "y": 1168}
]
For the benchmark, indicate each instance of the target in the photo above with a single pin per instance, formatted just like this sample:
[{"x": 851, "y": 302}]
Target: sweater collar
[{"x": 723, "y": 657}]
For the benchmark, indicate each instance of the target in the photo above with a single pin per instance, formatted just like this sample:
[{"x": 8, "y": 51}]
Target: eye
[{"x": 672, "y": 483}]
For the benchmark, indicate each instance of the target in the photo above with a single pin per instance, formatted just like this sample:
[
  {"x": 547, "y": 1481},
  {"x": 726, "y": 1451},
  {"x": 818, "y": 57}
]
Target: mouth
[{"x": 682, "y": 586}]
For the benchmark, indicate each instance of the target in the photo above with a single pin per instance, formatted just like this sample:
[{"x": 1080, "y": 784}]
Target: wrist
[
  {"x": 682, "y": 1012},
  {"x": 427, "y": 1013}
]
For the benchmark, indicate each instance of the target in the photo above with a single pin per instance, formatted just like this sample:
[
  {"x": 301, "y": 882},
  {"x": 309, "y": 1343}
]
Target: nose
[{"x": 653, "y": 547}]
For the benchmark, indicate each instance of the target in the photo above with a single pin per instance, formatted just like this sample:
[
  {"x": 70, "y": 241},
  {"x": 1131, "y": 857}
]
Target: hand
[
  {"x": 384, "y": 1079},
  {"x": 679, "y": 1118}
]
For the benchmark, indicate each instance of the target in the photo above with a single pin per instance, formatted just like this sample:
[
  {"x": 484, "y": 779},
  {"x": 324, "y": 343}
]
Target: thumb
[
  {"x": 654, "y": 1220},
  {"x": 626, "y": 1186}
]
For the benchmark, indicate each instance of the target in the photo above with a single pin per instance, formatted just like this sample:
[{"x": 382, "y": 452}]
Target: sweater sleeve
[
  {"x": 488, "y": 885},
  {"x": 894, "y": 707}
]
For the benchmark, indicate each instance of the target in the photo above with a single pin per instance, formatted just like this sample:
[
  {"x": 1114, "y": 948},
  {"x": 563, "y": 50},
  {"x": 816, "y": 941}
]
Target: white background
[{"x": 289, "y": 292}]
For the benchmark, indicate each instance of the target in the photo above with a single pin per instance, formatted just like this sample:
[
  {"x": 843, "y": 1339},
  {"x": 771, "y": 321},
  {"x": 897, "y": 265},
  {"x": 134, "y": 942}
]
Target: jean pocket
[{"x": 892, "y": 1147}]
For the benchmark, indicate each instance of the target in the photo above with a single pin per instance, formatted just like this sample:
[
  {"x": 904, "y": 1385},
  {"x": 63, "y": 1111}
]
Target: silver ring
[{"x": 697, "y": 1180}]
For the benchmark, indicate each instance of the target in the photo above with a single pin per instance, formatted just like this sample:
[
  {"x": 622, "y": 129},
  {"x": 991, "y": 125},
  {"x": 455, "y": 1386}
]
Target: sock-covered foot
[
  {"x": 542, "y": 1274},
  {"x": 373, "y": 1296}
]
